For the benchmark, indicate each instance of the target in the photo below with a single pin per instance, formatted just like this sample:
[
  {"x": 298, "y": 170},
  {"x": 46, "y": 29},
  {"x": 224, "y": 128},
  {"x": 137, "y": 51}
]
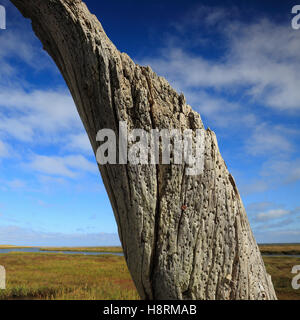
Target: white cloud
[
  {"x": 288, "y": 171},
  {"x": 209, "y": 16},
  {"x": 79, "y": 142},
  {"x": 51, "y": 181},
  {"x": 278, "y": 236},
  {"x": 220, "y": 111},
  {"x": 259, "y": 206},
  {"x": 279, "y": 171},
  {"x": 81, "y": 163},
  {"x": 261, "y": 57},
  {"x": 255, "y": 186},
  {"x": 272, "y": 214},
  {"x": 16, "y": 184},
  {"x": 267, "y": 139},
  {"x": 257, "y": 68},
  {"x": 19, "y": 46},
  {"x": 45, "y": 116},
  {"x": 51, "y": 165},
  {"x": 289, "y": 233},
  {"x": 19, "y": 43},
  {"x": 68, "y": 166},
  {"x": 24, "y": 236},
  {"x": 4, "y": 150},
  {"x": 26, "y": 116}
]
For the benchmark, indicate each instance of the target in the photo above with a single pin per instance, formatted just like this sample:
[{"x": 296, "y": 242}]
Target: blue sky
[{"x": 237, "y": 63}]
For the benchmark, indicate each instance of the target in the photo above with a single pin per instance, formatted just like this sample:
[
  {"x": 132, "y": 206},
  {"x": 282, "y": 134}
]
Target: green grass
[
  {"x": 70, "y": 277},
  {"x": 280, "y": 249},
  {"x": 86, "y": 249}
]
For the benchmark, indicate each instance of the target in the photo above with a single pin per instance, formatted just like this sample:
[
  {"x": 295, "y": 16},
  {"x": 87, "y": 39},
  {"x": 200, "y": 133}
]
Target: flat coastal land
[{"x": 58, "y": 276}]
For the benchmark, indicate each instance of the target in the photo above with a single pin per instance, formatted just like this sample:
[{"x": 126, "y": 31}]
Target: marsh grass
[
  {"x": 66, "y": 277},
  {"x": 280, "y": 270},
  {"x": 268, "y": 249},
  {"x": 13, "y": 247},
  {"x": 280, "y": 249},
  {"x": 86, "y": 249},
  {"x": 55, "y": 276}
]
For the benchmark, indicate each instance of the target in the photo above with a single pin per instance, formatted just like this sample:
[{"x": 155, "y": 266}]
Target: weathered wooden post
[{"x": 204, "y": 251}]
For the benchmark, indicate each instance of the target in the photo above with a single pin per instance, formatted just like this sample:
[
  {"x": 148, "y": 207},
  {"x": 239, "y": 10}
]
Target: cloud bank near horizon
[{"x": 13, "y": 235}]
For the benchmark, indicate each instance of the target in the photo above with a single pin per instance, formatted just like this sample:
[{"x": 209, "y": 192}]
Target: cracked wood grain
[{"x": 206, "y": 251}]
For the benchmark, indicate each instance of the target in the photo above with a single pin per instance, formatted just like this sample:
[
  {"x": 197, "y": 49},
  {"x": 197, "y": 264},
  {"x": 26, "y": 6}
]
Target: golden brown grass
[
  {"x": 104, "y": 277},
  {"x": 86, "y": 249},
  {"x": 70, "y": 277},
  {"x": 6, "y": 246},
  {"x": 280, "y": 270},
  {"x": 280, "y": 249}
]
